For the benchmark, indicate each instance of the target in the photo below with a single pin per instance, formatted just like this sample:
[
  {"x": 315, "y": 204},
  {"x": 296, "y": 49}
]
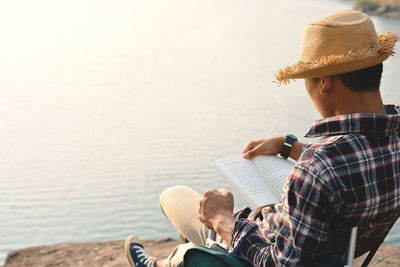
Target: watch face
[{"x": 290, "y": 139}]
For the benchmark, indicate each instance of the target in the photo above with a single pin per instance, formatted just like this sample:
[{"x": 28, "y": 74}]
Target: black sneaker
[{"x": 136, "y": 255}]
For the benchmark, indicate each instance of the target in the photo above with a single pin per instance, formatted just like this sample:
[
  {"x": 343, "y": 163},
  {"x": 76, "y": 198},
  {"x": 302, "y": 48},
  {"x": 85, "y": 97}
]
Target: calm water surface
[{"x": 103, "y": 104}]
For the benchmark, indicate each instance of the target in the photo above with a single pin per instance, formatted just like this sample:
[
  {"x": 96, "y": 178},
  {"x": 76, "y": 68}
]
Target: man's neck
[{"x": 360, "y": 102}]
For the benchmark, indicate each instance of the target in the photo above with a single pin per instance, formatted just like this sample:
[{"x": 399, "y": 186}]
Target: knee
[{"x": 173, "y": 192}]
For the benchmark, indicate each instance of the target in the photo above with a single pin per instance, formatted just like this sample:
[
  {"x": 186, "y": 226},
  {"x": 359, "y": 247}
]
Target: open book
[{"x": 259, "y": 181}]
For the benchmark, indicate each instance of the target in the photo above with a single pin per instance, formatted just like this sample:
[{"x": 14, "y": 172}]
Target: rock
[
  {"x": 112, "y": 254},
  {"x": 388, "y": 8}
]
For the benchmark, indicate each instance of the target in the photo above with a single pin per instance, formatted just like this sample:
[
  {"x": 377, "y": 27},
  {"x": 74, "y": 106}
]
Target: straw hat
[{"x": 341, "y": 42}]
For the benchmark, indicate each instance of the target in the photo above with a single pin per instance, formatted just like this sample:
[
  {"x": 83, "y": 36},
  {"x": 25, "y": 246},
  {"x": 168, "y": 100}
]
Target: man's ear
[{"x": 325, "y": 86}]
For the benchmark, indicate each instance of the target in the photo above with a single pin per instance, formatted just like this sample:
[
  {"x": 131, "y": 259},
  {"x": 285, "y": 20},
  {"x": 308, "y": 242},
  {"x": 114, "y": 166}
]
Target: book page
[
  {"x": 275, "y": 171},
  {"x": 247, "y": 180}
]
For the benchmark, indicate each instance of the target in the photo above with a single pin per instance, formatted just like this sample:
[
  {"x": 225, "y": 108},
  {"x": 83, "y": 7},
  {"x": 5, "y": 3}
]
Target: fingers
[
  {"x": 202, "y": 217},
  {"x": 253, "y": 153},
  {"x": 250, "y": 154},
  {"x": 210, "y": 192},
  {"x": 207, "y": 194},
  {"x": 202, "y": 212},
  {"x": 250, "y": 145},
  {"x": 252, "y": 149},
  {"x": 264, "y": 146},
  {"x": 225, "y": 192},
  {"x": 248, "y": 150},
  {"x": 228, "y": 196},
  {"x": 213, "y": 204}
]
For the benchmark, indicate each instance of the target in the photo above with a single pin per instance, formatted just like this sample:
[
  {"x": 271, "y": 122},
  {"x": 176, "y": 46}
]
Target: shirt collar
[{"x": 364, "y": 123}]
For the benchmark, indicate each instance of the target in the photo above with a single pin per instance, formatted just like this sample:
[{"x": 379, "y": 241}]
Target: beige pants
[{"x": 180, "y": 205}]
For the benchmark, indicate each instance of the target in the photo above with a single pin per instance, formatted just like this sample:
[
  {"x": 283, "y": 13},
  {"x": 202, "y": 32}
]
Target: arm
[
  {"x": 300, "y": 224},
  {"x": 270, "y": 146},
  {"x": 216, "y": 212}
]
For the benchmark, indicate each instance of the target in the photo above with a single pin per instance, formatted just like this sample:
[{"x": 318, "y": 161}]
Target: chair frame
[{"x": 350, "y": 251}]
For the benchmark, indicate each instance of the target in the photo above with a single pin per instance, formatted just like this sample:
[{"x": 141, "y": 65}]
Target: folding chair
[
  {"x": 336, "y": 261},
  {"x": 369, "y": 241},
  {"x": 352, "y": 247},
  {"x": 374, "y": 237}
]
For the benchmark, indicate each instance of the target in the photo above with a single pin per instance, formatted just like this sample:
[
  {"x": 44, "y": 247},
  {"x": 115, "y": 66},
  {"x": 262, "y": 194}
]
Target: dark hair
[{"x": 368, "y": 79}]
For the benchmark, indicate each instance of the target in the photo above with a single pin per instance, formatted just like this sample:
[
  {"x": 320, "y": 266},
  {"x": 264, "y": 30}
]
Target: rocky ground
[
  {"x": 112, "y": 254},
  {"x": 84, "y": 254}
]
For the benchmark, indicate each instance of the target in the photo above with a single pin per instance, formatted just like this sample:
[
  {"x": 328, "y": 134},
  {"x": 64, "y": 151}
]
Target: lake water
[{"x": 103, "y": 104}]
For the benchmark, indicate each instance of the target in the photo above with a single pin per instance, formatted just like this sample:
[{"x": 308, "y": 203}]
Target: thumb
[
  {"x": 251, "y": 153},
  {"x": 210, "y": 192},
  {"x": 224, "y": 191}
]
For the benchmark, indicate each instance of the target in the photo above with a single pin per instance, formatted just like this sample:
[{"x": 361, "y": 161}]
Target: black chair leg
[{"x": 369, "y": 257}]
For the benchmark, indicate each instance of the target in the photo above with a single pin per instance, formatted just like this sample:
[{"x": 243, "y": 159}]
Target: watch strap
[{"x": 287, "y": 145}]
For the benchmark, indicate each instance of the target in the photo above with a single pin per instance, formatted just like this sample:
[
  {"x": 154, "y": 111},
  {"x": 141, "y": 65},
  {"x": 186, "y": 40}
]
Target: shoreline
[
  {"x": 386, "y": 8},
  {"x": 111, "y": 253}
]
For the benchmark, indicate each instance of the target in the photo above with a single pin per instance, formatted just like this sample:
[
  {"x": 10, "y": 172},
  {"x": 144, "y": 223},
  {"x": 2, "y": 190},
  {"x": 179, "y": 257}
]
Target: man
[{"x": 350, "y": 177}]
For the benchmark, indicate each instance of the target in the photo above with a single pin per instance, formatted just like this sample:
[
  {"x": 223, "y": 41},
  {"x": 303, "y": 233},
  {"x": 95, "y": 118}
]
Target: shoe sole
[{"x": 127, "y": 250}]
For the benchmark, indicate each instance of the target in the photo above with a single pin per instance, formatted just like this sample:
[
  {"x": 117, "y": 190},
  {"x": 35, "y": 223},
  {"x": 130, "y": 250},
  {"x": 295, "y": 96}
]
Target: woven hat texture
[{"x": 341, "y": 42}]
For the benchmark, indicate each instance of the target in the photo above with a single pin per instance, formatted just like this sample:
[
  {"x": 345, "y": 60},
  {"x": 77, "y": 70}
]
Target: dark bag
[{"x": 206, "y": 257}]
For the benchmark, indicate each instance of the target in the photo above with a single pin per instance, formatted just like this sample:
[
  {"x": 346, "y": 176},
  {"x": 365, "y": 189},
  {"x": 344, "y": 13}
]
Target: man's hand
[
  {"x": 270, "y": 146},
  {"x": 216, "y": 212},
  {"x": 264, "y": 146}
]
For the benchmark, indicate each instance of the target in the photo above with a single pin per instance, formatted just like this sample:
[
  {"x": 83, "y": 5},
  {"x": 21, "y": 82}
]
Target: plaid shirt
[{"x": 350, "y": 177}]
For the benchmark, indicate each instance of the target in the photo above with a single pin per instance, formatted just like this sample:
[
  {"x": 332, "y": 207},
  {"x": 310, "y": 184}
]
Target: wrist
[
  {"x": 223, "y": 225},
  {"x": 288, "y": 143},
  {"x": 280, "y": 140}
]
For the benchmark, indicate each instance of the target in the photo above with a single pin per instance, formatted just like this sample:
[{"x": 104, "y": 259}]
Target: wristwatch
[{"x": 287, "y": 145}]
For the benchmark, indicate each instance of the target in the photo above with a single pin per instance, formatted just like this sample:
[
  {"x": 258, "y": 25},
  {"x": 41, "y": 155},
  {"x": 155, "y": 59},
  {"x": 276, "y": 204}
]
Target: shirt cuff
[
  {"x": 305, "y": 146},
  {"x": 240, "y": 231}
]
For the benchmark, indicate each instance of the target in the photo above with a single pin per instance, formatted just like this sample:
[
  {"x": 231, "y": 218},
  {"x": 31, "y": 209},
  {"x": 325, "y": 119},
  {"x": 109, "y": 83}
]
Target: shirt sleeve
[
  {"x": 247, "y": 241},
  {"x": 305, "y": 147},
  {"x": 300, "y": 225}
]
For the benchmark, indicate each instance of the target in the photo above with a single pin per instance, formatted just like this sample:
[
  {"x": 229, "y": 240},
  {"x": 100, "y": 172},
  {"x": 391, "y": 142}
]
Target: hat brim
[{"x": 337, "y": 64}]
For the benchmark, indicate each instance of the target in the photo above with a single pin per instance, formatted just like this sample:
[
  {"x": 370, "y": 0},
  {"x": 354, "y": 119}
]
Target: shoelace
[{"x": 144, "y": 258}]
